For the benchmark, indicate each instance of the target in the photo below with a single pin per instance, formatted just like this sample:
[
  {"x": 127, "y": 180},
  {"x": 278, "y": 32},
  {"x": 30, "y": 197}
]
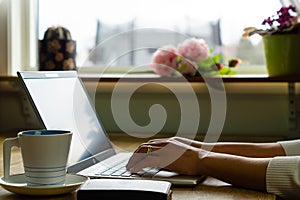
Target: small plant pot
[
  {"x": 282, "y": 54},
  {"x": 57, "y": 54}
]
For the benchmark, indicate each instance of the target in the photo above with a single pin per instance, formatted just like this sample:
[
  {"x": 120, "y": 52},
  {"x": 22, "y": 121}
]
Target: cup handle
[{"x": 7, "y": 145}]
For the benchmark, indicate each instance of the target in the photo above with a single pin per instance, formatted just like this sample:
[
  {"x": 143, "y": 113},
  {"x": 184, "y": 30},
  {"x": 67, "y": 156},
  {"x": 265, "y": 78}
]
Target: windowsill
[
  {"x": 255, "y": 78},
  {"x": 148, "y": 77}
]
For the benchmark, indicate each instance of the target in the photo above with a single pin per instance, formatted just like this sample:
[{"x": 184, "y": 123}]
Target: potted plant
[
  {"x": 281, "y": 40},
  {"x": 57, "y": 50}
]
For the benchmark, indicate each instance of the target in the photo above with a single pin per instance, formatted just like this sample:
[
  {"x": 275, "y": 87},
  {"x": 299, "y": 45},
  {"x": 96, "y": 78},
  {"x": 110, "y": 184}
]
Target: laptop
[{"x": 60, "y": 101}]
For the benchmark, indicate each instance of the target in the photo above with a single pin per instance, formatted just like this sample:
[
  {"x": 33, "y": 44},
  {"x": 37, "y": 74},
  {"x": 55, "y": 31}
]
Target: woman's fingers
[
  {"x": 152, "y": 161},
  {"x": 160, "y": 153},
  {"x": 143, "y": 151}
]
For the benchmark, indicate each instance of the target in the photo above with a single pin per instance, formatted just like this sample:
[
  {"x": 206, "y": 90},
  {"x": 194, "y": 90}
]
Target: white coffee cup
[{"x": 44, "y": 153}]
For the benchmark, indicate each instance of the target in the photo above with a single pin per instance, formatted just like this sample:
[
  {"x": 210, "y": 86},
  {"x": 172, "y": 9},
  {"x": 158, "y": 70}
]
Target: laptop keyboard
[{"x": 120, "y": 170}]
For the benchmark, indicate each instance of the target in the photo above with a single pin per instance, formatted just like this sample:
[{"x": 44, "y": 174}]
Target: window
[{"x": 104, "y": 36}]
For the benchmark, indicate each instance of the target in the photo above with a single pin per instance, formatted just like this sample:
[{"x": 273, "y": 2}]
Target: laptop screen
[{"x": 62, "y": 102}]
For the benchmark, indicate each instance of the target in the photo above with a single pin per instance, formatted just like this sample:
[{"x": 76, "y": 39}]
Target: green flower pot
[{"x": 282, "y": 54}]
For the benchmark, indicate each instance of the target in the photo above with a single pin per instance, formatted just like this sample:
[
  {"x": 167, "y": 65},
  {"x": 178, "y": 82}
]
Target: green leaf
[{"x": 226, "y": 71}]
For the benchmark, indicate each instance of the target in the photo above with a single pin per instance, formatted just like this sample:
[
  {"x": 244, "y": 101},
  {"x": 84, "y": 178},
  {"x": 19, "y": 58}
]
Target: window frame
[
  {"x": 22, "y": 18},
  {"x": 22, "y": 36}
]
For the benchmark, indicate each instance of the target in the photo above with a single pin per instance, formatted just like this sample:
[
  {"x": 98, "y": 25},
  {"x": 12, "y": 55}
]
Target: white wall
[{"x": 253, "y": 109}]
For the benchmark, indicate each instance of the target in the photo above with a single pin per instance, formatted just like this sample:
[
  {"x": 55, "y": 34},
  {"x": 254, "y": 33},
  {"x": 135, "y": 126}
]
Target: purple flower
[
  {"x": 283, "y": 19},
  {"x": 284, "y": 22},
  {"x": 268, "y": 21}
]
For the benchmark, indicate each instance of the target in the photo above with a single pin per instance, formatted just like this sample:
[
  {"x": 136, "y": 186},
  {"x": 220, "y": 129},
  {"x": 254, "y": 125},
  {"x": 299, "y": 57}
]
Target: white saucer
[{"x": 16, "y": 184}]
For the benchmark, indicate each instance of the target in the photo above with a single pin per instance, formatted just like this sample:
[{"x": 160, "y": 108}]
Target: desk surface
[{"x": 210, "y": 189}]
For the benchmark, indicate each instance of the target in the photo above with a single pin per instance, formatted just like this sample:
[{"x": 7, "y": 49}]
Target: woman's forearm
[
  {"x": 255, "y": 150},
  {"x": 188, "y": 159},
  {"x": 237, "y": 170}
]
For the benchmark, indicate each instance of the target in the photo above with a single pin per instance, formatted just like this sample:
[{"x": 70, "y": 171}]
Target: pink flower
[
  {"x": 164, "y": 61},
  {"x": 194, "y": 49}
]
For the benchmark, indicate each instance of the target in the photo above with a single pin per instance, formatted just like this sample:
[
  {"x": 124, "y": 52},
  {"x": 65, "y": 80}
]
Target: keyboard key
[
  {"x": 151, "y": 172},
  {"x": 108, "y": 172},
  {"x": 118, "y": 173},
  {"x": 126, "y": 174}
]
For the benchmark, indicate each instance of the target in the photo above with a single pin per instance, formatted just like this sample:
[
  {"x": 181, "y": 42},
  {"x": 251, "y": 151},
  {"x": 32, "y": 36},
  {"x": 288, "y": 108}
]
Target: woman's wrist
[
  {"x": 204, "y": 163},
  {"x": 237, "y": 170}
]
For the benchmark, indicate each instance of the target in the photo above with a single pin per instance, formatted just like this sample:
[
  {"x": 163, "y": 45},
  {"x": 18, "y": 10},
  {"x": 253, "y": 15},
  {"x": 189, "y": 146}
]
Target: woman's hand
[
  {"x": 182, "y": 156},
  {"x": 168, "y": 154}
]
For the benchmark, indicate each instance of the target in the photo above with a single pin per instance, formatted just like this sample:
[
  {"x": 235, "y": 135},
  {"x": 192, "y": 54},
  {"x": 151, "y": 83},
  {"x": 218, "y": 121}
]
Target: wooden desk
[{"x": 210, "y": 189}]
